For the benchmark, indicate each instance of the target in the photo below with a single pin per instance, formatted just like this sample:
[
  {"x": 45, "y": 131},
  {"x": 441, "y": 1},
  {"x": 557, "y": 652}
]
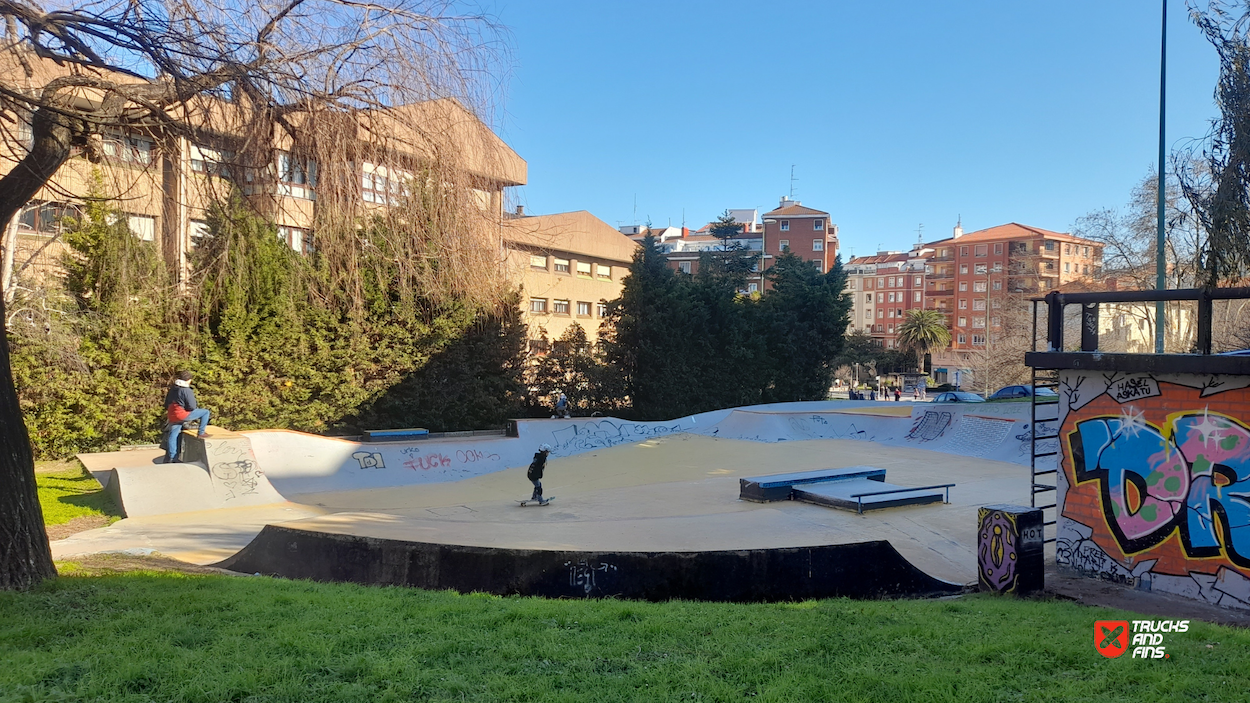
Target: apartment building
[
  {"x": 803, "y": 231},
  {"x": 164, "y": 180},
  {"x": 883, "y": 287},
  {"x": 569, "y": 266}
]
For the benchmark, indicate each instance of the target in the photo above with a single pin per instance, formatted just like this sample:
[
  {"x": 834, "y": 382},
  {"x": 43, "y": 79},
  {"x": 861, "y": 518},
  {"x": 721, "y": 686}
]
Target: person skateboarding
[
  {"x": 181, "y": 410},
  {"x": 535, "y": 472}
]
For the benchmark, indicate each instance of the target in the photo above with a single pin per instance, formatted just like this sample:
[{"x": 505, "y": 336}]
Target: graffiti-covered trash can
[{"x": 1009, "y": 549}]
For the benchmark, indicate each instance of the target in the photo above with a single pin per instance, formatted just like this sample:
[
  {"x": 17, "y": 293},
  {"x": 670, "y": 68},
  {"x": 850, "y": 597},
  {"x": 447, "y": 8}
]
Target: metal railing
[{"x": 859, "y": 497}]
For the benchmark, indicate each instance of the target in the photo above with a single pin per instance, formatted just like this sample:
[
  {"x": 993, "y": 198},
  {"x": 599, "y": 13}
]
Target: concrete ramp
[{"x": 162, "y": 489}]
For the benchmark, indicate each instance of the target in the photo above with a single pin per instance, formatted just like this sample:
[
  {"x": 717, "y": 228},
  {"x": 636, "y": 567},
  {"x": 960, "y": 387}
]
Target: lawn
[
  {"x": 68, "y": 491},
  {"x": 172, "y": 637}
]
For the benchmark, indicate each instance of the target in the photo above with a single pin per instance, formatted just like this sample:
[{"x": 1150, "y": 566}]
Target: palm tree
[{"x": 923, "y": 332}]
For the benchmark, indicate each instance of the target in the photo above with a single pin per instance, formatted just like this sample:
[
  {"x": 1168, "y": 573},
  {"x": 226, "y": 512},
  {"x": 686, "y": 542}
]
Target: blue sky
[{"x": 893, "y": 114}]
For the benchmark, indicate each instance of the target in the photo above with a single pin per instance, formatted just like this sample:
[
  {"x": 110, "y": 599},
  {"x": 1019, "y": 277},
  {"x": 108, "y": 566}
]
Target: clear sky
[{"x": 892, "y": 113}]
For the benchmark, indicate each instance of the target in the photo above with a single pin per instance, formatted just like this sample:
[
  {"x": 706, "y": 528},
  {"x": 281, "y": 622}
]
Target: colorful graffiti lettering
[
  {"x": 996, "y": 551},
  {"x": 1191, "y": 476}
]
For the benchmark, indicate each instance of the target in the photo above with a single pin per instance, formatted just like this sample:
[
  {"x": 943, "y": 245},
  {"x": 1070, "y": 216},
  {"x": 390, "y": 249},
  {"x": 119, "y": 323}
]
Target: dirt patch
[
  {"x": 78, "y": 524},
  {"x": 107, "y": 564}
]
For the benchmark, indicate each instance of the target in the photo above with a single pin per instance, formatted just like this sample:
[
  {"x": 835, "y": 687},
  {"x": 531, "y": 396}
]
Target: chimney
[
  {"x": 685, "y": 232},
  {"x": 959, "y": 228},
  {"x": 520, "y": 211}
]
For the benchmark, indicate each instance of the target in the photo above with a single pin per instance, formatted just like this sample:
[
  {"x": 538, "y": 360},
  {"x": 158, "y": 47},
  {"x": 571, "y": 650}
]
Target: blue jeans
[{"x": 175, "y": 429}]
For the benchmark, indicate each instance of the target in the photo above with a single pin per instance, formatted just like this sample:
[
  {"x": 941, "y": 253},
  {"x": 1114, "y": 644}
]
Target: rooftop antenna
[
  {"x": 635, "y": 208},
  {"x": 792, "y": 180},
  {"x": 920, "y": 233}
]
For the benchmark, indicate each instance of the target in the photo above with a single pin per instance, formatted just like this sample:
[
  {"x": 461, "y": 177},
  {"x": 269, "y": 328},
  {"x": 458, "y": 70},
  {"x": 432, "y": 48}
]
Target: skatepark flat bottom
[{"x": 655, "y": 519}]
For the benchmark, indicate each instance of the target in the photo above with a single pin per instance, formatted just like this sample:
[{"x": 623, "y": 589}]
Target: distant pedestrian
[
  {"x": 915, "y": 393},
  {"x": 872, "y": 394},
  {"x": 535, "y": 472},
  {"x": 898, "y": 395},
  {"x": 180, "y": 411}
]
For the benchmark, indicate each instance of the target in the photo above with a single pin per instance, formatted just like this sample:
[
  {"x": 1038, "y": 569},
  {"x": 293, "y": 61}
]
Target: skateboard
[{"x": 527, "y": 501}]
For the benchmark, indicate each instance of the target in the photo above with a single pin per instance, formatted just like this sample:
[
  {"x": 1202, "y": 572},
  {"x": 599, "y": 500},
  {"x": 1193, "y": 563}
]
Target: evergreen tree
[{"x": 806, "y": 316}]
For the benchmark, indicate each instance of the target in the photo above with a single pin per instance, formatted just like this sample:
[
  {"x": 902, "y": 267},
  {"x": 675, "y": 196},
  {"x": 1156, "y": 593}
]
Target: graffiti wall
[{"x": 1155, "y": 483}]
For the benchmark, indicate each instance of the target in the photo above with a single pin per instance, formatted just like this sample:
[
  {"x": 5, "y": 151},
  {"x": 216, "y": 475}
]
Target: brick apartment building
[
  {"x": 803, "y": 231},
  {"x": 883, "y": 287}
]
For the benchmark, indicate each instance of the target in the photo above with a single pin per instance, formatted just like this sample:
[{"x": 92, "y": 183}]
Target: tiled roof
[
  {"x": 794, "y": 211},
  {"x": 1012, "y": 230},
  {"x": 879, "y": 259}
]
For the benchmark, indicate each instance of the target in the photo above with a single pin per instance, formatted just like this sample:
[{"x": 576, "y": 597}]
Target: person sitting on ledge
[{"x": 180, "y": 411}]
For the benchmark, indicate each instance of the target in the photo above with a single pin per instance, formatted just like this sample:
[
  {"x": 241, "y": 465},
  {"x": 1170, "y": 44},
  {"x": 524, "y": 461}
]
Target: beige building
[{"x": 569, "y": 265}]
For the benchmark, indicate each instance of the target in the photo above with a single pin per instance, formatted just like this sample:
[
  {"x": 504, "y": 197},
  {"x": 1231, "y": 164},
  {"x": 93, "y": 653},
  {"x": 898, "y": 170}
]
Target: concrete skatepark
[{"x": 641, "y": 510}]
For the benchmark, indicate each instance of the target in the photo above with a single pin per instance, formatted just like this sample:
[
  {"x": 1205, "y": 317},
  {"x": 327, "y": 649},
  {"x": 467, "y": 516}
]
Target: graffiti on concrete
[
  {"x": 582, "y": 574},
  {"x": 472, "y": 456},
  {"x": 1191, "y": 476},
  {"x": 369, "y": 460},
  {"x": 425, "y": 462},
  {"x": 232, "y": 467},
  {"x": 978, "y": 435},
  {"x": 606, "y": 433},
  {"x": 997, "y": 551},
  {"x": 929, "y": 426},
  {"x": 1075, "y": 549}
]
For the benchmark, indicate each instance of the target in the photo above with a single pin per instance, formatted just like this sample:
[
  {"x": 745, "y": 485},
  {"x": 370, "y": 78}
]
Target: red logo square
[{"x": 1111, "y": 637}]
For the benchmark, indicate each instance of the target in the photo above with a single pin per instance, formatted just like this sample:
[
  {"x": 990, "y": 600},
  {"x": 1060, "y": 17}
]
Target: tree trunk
[{"x": 25, "y": 557}]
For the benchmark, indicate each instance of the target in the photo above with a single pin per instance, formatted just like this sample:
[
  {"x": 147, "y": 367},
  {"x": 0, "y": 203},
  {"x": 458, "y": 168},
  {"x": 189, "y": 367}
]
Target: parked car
[
  {"x": 958, "y": 397},
  {"x": 1021, "y": 392}
]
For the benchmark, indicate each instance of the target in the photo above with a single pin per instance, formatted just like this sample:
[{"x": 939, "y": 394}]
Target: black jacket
[
  {"x": 182, "y": 396},
  {"x": 539, "y": 463}
]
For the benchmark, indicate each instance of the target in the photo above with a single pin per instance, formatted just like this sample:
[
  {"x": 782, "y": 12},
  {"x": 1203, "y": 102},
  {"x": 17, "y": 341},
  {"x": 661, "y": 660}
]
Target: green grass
[
  {"x": 162, "y": 637},
  {"x": 67, "y": 491}
]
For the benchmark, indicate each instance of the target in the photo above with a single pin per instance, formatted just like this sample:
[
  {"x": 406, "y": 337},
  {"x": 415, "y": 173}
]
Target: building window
[
  {"x": 1050, "y": 266},
  {"x": 538, "y": 262},
  {"x": 142, "y": 226},
  {"x": 963, "y": 339},
  {"x": 298, "y": 238},
  {"x": 603, "y": 271},
  {"x": 820, "y": 265},
  {"x": 963, "y": 303},
  {"x": 1085, "y": 269},
  {"x": 683, "y": 266},
  {"x": 978, "y": 340},
  {"x": 818, "y": 225},
  {"x": 538, "y": 305},
  {"x": 785, "y": 225},
  {"x": 209, "y": 161},
  {"x": 963, "y": 285},
  {"x": 583, "y": 309},
  {"x": 880, "y": 313},
  {"x": 918, "y": 282},
  {"x": 46, "y": 217},
  {"x": 978, "y": 322},
  {"x": 997, "y": 303},
  {"x": 980, "y": 268},
  {"x": 978, "y": 304},
  {"x": 560, "y": 307},
  {"x": 562, "y": 265},
  {"x": 998, "y": 285},
  {"x": 601, "y": 309},
  {"x": 135, "y": 150},
  {"x": 978, "y": 286},
  {"x": 198, "y": 232},
  {"x": 963, "y": 322},
  {"x": 850, "y": 284},
  {"x": 1050, "y": 245},
  {"x": 383, "y": 186},
  {"x": 963, "y": 251},
  {"x": 1085, "y": 252},
  {"x": 1067, "y": 249},
  {"x": 998, "y": 321},
  {"x": 867, "y": 284},
  {"x": 890, "y": 329},
  {"x": 890, "y": 282},
  {"x": 818, "y": 245},
  {"x": 915, "y": 297},
  {"x": 784, "y": 244},
  {"x": 297, "y": 176},
  {"x": 881, "y": 282},
  {"x": 891, "y": 297},
  {"x": 980, "y": 250},
  {"x": 753, "y": 287},
  {"x": 869, "y": 296},
  {"x": 963, "y": 268},
  {"x": 998, "y": 267},
  {"x": 1067, "y": 268},
  {"x": 998, "y": 248}
]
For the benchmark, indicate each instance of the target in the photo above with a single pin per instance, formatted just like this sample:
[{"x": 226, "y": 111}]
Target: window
[
  {"x": 980, "y": 250},
  {"x": 210, "y": 161},
  {"x": 583, "y": 269},
  {"x": 998, "y": 266},
  {"x": 963, "y": 322},
  {"x": 46, "y": 217},
  {"x": 784, "y": 244},
  {"x": 1067, "y": 249},
  {"x": 560, "y": 307},
  {"x": 997, "y": 303},
  {"x": 963, "y": 251},
  {"x": 891, "y": 282},
  {"x": 143, "y": 227},
  {"x": 818, "y": 225},
  {"x": 601, "y": 309},
  {"x": 880, "y": 314},
  {"x": 978, "y": 322},
  {"x": 583, "y": 309},
  {"x": 753, "y": 287},
  {"x": 915, "y": 297},
  {"x": 1084, "y": 269},
  {"x": 562, "y": 265},
  {"x": 945, "y": 253},
  {"x": 818, "y": 245},
  {"x": 382, "y": 185},
  {"x": 963, "y": 285},
  {"x": 198, "y": 232},
  {"x": 998, "y": 321},
  {"x": 891, "y": 297},
  {"x": 891, "y": 315},
  {"x": 998, "y": 248},
  {"x": 1050, "y": 266},
  {"x": 881, "y": 282},
  {"x": 918, "y": 282},
  {"x": 978, "y": 286},
  {"x": 890, "y": 329},
  {"x": 683, "y": 266},
  {"x": 998, "y": 285},
  {"x": 850, "y": 284},
  {"x": 785, "y": 225},
  {"x": 298, "y": 238},
  {"x": 979, "y": 268},
  {"x": 1050, "y": 245},
  {"x": 867, "y": 284},
  {"x": 135, "y": 150},
  {"x": 978, "y": 340},
  {"x": 978, "y": 304},
  {"x": 869, "y": 296},
  {"x": 538, "y": 262},
  {"x": 820, "y": 265},
  {"x": 963, "y": 303},
  {"x": 963, "y": 339},
  {"x": 297, "y": 176},
  {"x": 538, "y": 305},
  {"x": 603, "y": 271},
  {"x": 1085, "y": 251},
  {"x": 963, "y": 268}
]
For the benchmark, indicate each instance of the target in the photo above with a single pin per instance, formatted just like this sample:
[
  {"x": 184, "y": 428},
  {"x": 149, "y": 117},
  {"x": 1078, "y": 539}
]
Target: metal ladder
[{"x": 1044, "y": 474}]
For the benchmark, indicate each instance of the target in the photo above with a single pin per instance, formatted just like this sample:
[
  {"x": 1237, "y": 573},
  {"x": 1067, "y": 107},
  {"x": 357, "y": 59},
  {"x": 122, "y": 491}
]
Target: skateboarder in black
[{"x": 535, "y": 473}]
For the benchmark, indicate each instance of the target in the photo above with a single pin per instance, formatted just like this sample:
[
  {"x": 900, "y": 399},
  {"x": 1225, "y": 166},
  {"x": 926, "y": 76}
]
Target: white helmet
[{"x": 544, "y": 447}]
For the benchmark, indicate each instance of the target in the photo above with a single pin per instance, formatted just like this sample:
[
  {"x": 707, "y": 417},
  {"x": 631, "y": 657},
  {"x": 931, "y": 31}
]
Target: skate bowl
[{"x": 644, "y": 510}]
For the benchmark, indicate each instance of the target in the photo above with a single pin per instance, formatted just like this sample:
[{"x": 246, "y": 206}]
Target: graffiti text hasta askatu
[{"x": 1179, "y": 477}]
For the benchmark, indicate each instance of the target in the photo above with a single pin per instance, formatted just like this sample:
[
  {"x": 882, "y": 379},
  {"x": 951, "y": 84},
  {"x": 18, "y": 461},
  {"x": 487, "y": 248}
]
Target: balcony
[
  {"x": 939, "y": 275},
  {"x": 948, "y": 291}
]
